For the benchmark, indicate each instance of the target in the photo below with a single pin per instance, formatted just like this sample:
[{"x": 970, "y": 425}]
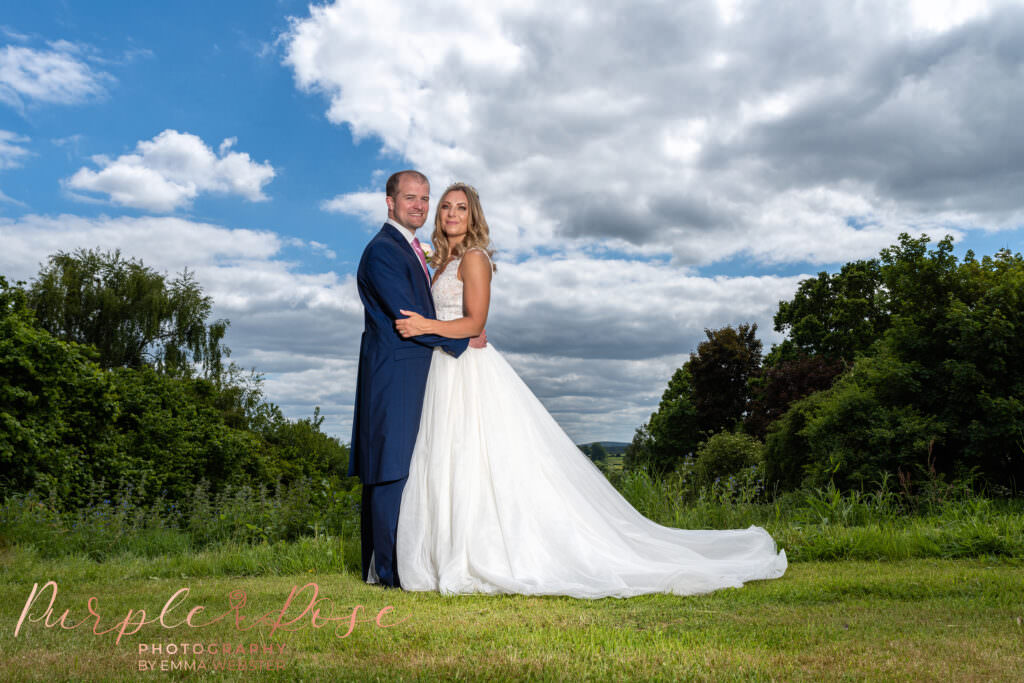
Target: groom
[{"x": 392, "y": 276}]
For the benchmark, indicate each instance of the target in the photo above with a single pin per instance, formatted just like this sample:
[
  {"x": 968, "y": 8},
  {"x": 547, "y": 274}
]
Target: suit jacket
[{"x": 392, "y": 370}]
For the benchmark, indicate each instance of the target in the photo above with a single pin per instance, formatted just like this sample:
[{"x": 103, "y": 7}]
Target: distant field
[
  {"x": 614, "y": 449},
  {"x": 614, "y": 462}
]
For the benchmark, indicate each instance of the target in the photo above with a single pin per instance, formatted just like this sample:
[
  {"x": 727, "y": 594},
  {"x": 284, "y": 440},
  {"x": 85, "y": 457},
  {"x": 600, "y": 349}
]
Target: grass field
[
  {"x": 912, "y": 620},
  {"x": 881, "y": 586}
]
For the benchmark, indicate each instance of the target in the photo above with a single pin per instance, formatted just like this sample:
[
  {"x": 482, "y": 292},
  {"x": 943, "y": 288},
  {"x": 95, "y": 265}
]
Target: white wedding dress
[{"x": 500, "y": 500}]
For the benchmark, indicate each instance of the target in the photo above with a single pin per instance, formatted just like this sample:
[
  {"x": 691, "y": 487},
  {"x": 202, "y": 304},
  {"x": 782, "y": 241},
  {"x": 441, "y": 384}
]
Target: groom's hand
[{"x": 478, "y": 342}]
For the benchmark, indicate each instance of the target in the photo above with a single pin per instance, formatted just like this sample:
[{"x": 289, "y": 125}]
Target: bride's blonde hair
[{"x": 478, "y": 235}]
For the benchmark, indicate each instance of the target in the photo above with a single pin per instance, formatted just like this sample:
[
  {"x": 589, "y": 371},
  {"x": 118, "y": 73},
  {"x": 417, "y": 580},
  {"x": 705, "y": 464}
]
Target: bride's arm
[{"x": 476, "y": 299}]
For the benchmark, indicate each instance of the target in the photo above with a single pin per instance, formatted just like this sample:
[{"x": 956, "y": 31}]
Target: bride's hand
[{"x": 413, "y": 325}]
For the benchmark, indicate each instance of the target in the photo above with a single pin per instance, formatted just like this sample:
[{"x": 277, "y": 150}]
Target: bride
[{"x": 500, "y": 500}]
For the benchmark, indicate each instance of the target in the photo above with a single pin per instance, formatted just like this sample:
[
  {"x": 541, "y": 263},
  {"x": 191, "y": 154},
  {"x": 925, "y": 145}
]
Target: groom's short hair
[{"x": 391, "y": 189}]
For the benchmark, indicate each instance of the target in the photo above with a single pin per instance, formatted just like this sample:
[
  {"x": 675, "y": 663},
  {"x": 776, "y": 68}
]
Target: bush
[
  {"x": 863, "y": 428},
  {"x": 726, "y": 454}
]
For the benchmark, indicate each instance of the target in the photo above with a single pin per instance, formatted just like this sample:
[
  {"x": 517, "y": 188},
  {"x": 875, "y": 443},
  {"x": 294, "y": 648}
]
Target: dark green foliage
[
  {"x": 671, "y": 433},
  {"x": 726, "y": 454},
  {"x": 942, "y": 388},
  {"x": 720, "y": 372},
  {"x": 75, "y": 433},
  {"x": 707, "y": 394},
  {"x": 129, "y": 312},
  {"x": 638, "y": 453},
  {"x": 176, "y": 435},
  {"x": 787, "y": 380},
  {"x": 856, "y": 431},
  {"x": 598, "y": 452},
  {"x": 787, "y": 447},
  {"x": 834, "y": 316},
  {"x": 56, "y": 406},
  {"x": 301, "y": 450},
  {"x": 908, "y": 365}
]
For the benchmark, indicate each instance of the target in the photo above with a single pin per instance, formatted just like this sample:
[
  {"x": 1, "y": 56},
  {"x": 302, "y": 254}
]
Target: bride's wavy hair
[{"x": 478, "y": 234}]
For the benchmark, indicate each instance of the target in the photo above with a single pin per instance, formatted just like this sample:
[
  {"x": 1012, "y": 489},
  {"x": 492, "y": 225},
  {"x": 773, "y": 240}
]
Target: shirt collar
[{"x": 406, "y": 233}]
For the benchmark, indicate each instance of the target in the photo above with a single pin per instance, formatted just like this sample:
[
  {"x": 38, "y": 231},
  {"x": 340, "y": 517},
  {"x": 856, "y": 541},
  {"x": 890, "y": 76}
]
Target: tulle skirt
[{"x": 500, "y": 500}]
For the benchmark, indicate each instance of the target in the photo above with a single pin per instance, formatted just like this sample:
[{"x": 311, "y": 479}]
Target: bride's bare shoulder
[
  {"x": 475, "y": 260},
  {"x": 481, "y": 255}
]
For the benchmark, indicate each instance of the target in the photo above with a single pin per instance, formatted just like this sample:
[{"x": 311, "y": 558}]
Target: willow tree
[{"x": 132, "y": 314}]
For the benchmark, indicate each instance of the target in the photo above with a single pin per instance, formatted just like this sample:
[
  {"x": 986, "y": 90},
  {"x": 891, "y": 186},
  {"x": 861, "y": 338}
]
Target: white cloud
[
  {"x": 11, "y": 150},
  {"x": 607, "y": 132},
  {"x": 170, "y": 170},
  {"x": 704, "y": 130},
  {"x": 56, "y": 76},
  {"x": 14, "y": 35},
  {"x": 937, "y": 16},
  {"x": 11, "y": 155},
  {"x": 364, "y": 205},
  {"x": 6, "y": 199}
]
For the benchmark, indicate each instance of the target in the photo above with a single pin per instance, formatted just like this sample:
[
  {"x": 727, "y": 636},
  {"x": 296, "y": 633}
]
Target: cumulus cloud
[
  {"x": 170, "y": 170},
  {"x": 58, "y": 75},
  {"x": 365, "y": 205},
  {"x": 616, "y": 309},
  {"x": 783, "y": 133}
]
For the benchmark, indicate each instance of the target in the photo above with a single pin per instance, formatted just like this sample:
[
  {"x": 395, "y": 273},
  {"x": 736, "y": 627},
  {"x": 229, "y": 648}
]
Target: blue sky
[
  {"x": 209, "y": 69},
  {"x": 648, "y": 170}
]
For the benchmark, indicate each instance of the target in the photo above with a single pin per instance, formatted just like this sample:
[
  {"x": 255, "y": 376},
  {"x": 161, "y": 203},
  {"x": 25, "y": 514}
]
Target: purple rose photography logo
[{"x": 192, "y": 651}]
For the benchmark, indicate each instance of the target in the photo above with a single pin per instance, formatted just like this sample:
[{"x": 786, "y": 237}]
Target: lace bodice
[{"x": 447, "y": 291}]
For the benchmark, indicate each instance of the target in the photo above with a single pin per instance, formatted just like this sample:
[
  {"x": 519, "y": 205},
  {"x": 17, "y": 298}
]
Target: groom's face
[{"x": 411, "y": 203}]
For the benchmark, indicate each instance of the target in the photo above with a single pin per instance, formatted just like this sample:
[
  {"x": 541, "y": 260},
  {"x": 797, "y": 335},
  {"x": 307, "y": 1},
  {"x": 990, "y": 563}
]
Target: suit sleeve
[{"x": 392, "y": 288}]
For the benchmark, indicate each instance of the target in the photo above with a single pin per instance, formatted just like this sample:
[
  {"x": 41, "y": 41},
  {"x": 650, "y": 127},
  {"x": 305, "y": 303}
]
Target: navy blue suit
[{"x": 389, "y": 390}]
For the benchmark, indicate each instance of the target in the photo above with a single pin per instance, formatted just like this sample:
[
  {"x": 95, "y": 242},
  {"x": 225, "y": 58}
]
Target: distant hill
[
  {"x": 611, "y": 447},
  {"x": 614, "y": 447}
]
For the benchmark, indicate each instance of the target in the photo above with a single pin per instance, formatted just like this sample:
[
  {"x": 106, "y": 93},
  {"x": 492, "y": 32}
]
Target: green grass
[
  {"x": 881, "y": 586},
  {"x": 854, "y": 620}
]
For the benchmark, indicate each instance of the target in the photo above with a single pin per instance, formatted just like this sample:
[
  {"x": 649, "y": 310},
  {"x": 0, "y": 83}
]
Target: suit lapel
[{"x": 410, "y": 255}]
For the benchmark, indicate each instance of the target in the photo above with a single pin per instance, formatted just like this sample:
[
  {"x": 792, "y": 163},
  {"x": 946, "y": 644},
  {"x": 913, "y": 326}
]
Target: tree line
[
  {"x": 907, "y": 366},
  {"x": 113, "y": 379}
]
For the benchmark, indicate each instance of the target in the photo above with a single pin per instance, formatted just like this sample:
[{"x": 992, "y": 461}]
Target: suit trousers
[{"x": 379, "y": 522}]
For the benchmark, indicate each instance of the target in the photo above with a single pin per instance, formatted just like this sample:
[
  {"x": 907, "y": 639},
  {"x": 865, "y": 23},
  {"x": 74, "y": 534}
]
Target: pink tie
[{"x": 419, "y": 252}]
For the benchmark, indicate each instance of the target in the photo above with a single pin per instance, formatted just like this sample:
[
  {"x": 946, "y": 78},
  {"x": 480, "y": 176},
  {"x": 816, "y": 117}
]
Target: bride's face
[{"x": 454, "y": 210}]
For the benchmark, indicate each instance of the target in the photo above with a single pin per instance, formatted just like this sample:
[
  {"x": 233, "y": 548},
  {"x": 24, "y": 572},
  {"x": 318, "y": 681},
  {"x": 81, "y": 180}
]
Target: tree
[
  {"x": 942, "y": 388},
  {"x": 78, "y": 432},
  {"x": 129, "y": 312},
  {"x": 671, "y": 433},
  {"x": 788, "y": 380},
  {"x": 834, "y": 315},
  {"x": 720, "y": 372}
]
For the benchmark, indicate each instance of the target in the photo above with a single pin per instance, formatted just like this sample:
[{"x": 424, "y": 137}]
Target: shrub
[{"x": 726, "y": 454}]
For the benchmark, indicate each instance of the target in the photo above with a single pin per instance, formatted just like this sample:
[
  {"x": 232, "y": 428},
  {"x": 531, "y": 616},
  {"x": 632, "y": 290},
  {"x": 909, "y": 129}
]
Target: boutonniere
[{"x": 428, "y": 251}]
